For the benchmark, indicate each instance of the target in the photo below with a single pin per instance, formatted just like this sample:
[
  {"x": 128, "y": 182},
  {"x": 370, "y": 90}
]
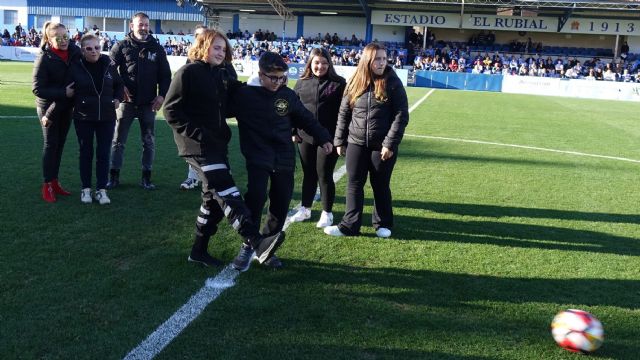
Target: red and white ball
[{"x": 577, "y": 331}]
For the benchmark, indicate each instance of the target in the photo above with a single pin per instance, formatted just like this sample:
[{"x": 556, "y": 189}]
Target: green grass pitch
[{"x": 490, "y": 242}]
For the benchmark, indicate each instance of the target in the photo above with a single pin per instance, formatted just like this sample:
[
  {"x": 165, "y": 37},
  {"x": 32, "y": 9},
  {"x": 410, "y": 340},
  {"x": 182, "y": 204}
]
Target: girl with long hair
[
  {"x": 373, "y": 115},
  {"x": 196, "y": 110},
  {"x": 51, "y": 70},
  {"x": 320, "y": 89}
]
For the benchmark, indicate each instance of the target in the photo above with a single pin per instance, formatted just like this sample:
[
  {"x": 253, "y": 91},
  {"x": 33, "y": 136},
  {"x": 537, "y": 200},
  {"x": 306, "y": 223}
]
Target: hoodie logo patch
[
  {"x": 282, "y": 107},
  {"x": 152, "y": 56}
]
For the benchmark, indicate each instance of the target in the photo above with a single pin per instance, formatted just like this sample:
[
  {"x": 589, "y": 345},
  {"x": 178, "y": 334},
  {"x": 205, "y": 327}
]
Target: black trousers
[
  {"x": 362, "y": 161},
  {"x": 220, "y": 198},
  {"x": 280, "y": 193},
  {"x": 317, "y": 168},
  {"x": 102, "y": 131},
  {"x": 54, "y": 138}
]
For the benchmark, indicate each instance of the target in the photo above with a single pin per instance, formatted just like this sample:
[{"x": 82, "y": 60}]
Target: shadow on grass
[
  {"x": 397, "y": 313},
  {"x": 510, "y": 211},
  {"x": 504, "y": 233}
]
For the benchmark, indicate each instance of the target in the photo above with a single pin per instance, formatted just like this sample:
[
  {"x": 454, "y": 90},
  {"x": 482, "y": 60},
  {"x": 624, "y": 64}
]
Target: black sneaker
[
  {"x": 268, "y": 246},
  {"x": 147, "y": 184},
  {"x": 273, "y": 262},
  {"x": 243, "y": 260},
  {"x": 205, "y": 259}
]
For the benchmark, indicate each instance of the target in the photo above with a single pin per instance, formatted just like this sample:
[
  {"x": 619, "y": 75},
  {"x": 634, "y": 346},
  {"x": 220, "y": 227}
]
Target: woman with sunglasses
[
  {"x": 320, "y": 89},
  {"x": 373, "y": 115},
  {"x": 53, "y": 101},
  {"x": 98, "y": 93}
]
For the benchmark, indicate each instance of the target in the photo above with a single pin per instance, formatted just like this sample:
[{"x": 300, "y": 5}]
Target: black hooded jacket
[
  {"x": 90, "y": 102},
  {"x": 265, "y": 119},
  {"x": 143, "y": 67},
  {"x": 50, "y": 75},
  {"x": 195, "y": 108},
  {"x": 322, "y": 97},
  {"x": 372, "y": 123}
]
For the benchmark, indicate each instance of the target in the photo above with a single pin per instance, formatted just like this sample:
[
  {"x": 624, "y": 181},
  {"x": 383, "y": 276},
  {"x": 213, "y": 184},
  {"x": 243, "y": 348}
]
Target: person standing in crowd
[
  {"x": 142, "y": 64},
  {"x": 98, "y": 92},
  {"x": 267, "y": 110},
  {"x": 53, "y": 101},
  {"x": 373, "y": 115},
  {"x": 196, "y": 110},
  {"x": 320, "y": 89}
]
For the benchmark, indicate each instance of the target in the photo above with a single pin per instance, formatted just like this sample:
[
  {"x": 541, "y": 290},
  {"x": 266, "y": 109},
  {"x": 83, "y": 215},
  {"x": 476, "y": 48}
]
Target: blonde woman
[
  {"x": 53, "y": 101},
  {"x": 371, "y": 122}
]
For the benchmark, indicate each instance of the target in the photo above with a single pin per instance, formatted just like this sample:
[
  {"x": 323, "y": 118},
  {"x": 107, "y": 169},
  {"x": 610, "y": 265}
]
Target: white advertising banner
[
  {"x": 576, "y": 88},
  {"x": 602, "y": 26},
  {"x": 17, "y": 53},
  {"x": 506, "y": 23},
  {"x": 510, "y": 23}
]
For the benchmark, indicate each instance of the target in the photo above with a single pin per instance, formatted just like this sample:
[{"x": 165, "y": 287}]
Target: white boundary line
[
  {"x": 525, "y": 147},
  {"x": 213, "y": 287}
]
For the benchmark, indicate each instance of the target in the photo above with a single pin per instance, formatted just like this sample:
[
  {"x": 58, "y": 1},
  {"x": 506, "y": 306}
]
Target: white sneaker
[
  {"x": 326, "y": 219},
  {"x": 333, "y": 231},
  {"x": 301, "y": 215},
  {"x": 189, "y": 184},
  {"x": 101, "y": 197},
  {"x": 85, "y": 196},
  {"x": 383, "y": 232}
]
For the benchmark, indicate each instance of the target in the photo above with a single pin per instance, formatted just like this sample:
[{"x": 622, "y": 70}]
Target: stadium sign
[
  {"x": 441, "y": 20},
  {"x": 506, "y": 23}
]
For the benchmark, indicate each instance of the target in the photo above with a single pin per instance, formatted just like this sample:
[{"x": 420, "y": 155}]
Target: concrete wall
[{"x": 343, "y": 26}]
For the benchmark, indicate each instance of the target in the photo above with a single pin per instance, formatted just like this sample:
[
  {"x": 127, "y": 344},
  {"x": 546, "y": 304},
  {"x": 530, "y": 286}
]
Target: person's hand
[
  {"x": 116, "y": 103},
  {"x": 386, "y": 153},
  {"x": 157, "y": 103},
  {"x": 69, "y": 90},
  {"x": 341, "y": 150},
  {"x": 327, "y": 147},
  {"x": 127, "y": 94},
  {"x": 296, "y": 138},
  {"x": 45, "y": 121}
]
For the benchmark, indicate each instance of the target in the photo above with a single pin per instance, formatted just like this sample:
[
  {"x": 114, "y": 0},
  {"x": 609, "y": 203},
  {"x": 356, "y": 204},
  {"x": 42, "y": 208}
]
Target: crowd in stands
[{"x": 438, "y": 55}]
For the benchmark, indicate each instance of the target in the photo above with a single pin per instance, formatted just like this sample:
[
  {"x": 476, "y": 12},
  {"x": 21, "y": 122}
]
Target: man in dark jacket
[
  {"x": 143, "y": 66},
  {"x": 265, "y": 140}
]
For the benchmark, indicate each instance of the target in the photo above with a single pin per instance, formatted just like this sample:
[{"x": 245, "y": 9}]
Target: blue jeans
[
  {"x": 126, "y": 113},
  {"x": 103, "y": 131}
]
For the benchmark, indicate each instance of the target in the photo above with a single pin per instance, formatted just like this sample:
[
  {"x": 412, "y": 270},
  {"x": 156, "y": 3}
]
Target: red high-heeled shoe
[{"x": 58, "y": 189}]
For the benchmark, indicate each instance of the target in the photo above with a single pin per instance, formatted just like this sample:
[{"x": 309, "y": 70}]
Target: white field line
[
  {"x": 213, "y": 287},
  {"x": 577, "y": 153}
]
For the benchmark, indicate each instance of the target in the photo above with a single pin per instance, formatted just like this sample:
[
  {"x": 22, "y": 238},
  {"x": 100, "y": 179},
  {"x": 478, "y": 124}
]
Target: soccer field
[{"x": 508, "y": 209}]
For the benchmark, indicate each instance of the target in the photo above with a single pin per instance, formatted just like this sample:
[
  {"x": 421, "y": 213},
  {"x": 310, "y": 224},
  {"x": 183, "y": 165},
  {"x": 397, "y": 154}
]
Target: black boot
[
  {"x": 200, "y": 255},
  {"x": 146, "y": 180},
  {"x": 114, "y": 179}
]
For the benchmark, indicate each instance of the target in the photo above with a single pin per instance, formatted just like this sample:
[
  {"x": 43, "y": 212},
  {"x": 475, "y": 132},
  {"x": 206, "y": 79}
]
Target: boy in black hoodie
[{"x": 267, "y": 110}]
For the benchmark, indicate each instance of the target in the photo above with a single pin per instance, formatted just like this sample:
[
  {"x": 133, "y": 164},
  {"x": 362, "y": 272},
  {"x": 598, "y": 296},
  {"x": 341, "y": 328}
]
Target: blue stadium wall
[{"x": 156, "y": 9}]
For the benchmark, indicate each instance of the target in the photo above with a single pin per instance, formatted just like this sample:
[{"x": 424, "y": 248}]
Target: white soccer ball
[{"x": 577, "y": 331}]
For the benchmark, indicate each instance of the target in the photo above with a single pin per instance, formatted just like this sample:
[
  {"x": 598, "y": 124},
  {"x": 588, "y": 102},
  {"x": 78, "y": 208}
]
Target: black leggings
[
  {"x": 362, "y": 161},
  {"x": 54, "y": 136},
  {"x": 317, "y": 168}
]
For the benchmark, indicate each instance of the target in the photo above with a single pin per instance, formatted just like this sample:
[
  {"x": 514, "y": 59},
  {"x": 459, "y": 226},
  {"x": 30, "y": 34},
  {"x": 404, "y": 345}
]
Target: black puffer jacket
[
  {"x": 91, "y": 103},
  {"x": 195, "y": 108},
  {"x": 265, "y": 120},
  {"x": 143, "y": 67},
  {"x": 371, "y": 123},
  {"x": 50, "y": 75},
  {"x": 322, "y": 97}
]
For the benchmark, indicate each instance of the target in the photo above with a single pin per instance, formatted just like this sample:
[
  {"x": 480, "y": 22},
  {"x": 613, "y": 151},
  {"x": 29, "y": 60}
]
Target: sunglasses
[
  {"x": 96, "y": 48},
  {"x": 62, "y": 38},
  {"x": 276, "y": 79}
]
